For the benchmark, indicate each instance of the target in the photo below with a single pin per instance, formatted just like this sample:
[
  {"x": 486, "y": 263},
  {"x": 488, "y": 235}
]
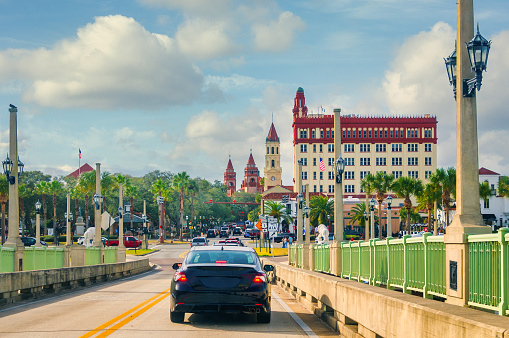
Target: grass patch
[
  {"x": 277, "y": 252},
  {"x": 139, "y": 252}
]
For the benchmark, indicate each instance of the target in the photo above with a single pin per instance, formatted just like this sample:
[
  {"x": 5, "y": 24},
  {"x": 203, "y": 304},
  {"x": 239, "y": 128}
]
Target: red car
[{"x": 129, "y": 242}]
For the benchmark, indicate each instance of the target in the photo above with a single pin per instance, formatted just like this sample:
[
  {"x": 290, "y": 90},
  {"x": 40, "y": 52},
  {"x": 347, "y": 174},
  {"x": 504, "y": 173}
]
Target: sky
[{"x": 180, "y": 85}]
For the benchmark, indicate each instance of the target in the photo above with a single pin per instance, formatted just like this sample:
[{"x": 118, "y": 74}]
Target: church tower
[
  {"x": 251, "y": 183},
  {"x": 272, "y": 170},
  {"x": 230, "y": 179}
]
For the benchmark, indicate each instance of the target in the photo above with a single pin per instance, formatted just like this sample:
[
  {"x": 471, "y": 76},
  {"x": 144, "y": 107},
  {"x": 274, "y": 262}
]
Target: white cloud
[
  {"x": 195, "y": 7},
  {"x": 236, "y": 81},
  {"x": 113, "y": 63},
  {"x": 277, "y": 35}
]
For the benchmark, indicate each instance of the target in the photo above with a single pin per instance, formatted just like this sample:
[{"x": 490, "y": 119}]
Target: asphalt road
[{"x": 138, "y": 306}]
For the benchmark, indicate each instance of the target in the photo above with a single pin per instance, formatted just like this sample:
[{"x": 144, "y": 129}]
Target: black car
[
  {"x": 29, "y": 241},
  {"x": 224, "y": 232},
  {"x": 278, "y": 238},
  {"x": 211, "y": 233},
  {"x": 237, "y": 231},
  {"x": 220, "y": 279}
]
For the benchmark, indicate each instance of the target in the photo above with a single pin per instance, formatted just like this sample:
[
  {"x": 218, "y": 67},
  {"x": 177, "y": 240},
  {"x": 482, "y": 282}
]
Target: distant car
[
  {"x": 199, "y": 241},
  {"x": 225, "y": 242},
  {"x": 224, "y": 232},
  {"x": 254, "y": 233},
  {"x": 278, "y": 238},
  {"x": 234, "y": 240},
  {"x": 246, "y": 233},
  {"x": 348, "y": 233},
  {"x": 29, "y": 241},
  {"x": 237, "y": 231},
  {"x": 220, "y": 279},
  {"x": 211, "y": 233}
]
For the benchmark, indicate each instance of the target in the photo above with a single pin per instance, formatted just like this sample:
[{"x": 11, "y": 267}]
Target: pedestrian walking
[{"x": 284, "y": 242}]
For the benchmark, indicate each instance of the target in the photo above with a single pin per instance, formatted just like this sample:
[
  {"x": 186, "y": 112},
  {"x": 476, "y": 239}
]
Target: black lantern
[
  {"x": 450, "y": 65},
  {"x": 160, "y": 199},
  {"x": 7, "y": 165},
  {"x": 38, "y": 207},
  {"x": 120, "y": 213},
  {"x": 365, "y": 216},
  {"x": 97, "y": 200},
  {"x": 389, "y": 202},
  {"x": 372, "y": 204},
  {"x": 127, "y": 208},
  {"x": 300, "y": 199},
  {"x": 340, "y": 169}
]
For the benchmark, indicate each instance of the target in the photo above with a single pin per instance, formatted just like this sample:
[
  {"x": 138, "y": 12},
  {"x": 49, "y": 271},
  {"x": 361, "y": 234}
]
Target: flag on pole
[
  {"x": 80, "y": 152},
  {"x": 322, "y": 165}
]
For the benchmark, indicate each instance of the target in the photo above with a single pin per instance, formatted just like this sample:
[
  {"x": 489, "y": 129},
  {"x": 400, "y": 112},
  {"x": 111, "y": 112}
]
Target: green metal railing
[
  {"x": 6, "y": 259},
  {"x": 93, "y": 256},
  {"x": 292, "y": 254},
  {"x": 300, "y": 247},
  {"x": 40, "y": 258},
  {"x": 489, "y": 271},
  {"x": 110, "y": 254},
  {"x": 321, "y": 258}
]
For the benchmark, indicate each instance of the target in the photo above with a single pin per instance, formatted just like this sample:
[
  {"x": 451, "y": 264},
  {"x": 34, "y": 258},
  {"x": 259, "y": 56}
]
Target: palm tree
[
  {"x": 382, "y": 183},
  {"x": 503, "y": 186},
  {"x": 367, "y": 186},
  {"x": 4, "y": 197},
  {"x": 159, "y": 188},
  {"x": 107, "y": 185},
  {"x": 131, "y": 191},
  {"x": 120, "y": 180},
  {"x": 405, "y": 187},
  {"x": 358, "y": 214},
  {"x": 86, "y": 186},
  {"x": 278, "y": 211},
  {"x": 180, "y": 183},
  {"x": 321, "y": 207},
  {"x": 23, "y": 192},
  {"x": 485, "y": 192},
  {"x": 446, "y": 179},
  {"x": 55, "y": 188},
  {"x": 430, "y": 195},
  {"x": 42, "y": 188}
]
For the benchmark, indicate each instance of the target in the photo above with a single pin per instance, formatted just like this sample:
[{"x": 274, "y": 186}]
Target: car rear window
[
  {"x": 198, "y": 239},
  {"x": 221, "y": 257}
]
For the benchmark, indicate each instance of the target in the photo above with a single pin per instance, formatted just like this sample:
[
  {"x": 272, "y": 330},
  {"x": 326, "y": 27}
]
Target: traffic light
[
  {"x": 211, "y": 200},
  {"x": 233, "y": 201}
]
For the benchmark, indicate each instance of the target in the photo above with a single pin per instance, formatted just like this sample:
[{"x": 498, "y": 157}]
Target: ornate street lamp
[
  {"x": 478, "y": 49},
  {"x": 120, "y": 213},
  {"x": 300, "y": 199},
  {"x": 340, "y": 169},
  {"x": 7, "y": 166},
  {"x": 372, "y": 212},
  {"x": 389, "y": 221},
  {"x": 97, "y": 200}
]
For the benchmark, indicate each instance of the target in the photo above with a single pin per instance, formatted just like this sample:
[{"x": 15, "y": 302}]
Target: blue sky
[{"x": 179, "y": 85}]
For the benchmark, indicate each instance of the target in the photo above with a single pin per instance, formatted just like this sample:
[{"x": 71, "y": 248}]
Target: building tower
[
  {"x": 230, "y": 178},
  {"x": 251, "y": 183},
  {"x": 272, "y": 171}
]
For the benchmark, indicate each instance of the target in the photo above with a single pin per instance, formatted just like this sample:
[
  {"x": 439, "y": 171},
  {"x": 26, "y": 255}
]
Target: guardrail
[
  {"x": 40, "y": 258},
  {"x": 321, "y": 258},
  {"x": 6, "y": 259}
]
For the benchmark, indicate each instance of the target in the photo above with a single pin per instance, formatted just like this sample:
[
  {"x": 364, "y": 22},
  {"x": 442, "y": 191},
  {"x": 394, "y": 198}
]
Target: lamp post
[
  {"x": 97, "y": 201},
  {"x": 366, "y": 223},
  {"x": 340, "y": 169},
  {"x": 372, "y": 212},
  {"x": 160, "y": 200},
  {"x": 68, "y": 220},
  {"x": 38, "y": 223},
  {"x": 389, "y": 215},
  {"x": 300, "y": 199},
  {"x": 187, "y": 225},
  {"x": 328, "y": 219},
  {"x": 305, "y": 220}
]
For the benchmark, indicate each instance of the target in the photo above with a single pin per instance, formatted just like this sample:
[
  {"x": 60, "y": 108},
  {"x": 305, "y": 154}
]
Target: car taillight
[
  {"x": 259, "y": 278},
  {"x": 180, "y": 277}
]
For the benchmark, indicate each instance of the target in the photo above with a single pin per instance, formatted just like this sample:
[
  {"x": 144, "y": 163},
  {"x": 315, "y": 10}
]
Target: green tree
[
  {"x": 367, "y": 185},
  {"x": 23, "y": 193},
  {"x": 86, "y": 186},
  {"x": 430, "y": 195},
  {"x": 159, "y": 188},
  {"x": 503, "y": 186},
  {"x": 485, "y": 191},
  {"x": 108, "y": 183},
  {"x": 321, "y": 207},
  {"x": 4, "y": 197},
  {"x": 55, "y": 188},
  {"x": 446, "y": 179},
  {"x": 382, "y": 183},
  {"x": 180, "y": 183},
  {"x": 132, "y": 192},
  {"x": 278, "y": 211},
  {"x": 358, "y": 215},
  {"x": 405, "y": 187}
]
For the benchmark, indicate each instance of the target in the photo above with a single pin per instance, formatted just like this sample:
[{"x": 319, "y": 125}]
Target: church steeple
[
  {"x": 230, "y": 178},
  {"x": 299, "y": 105},
  {"x": 272, "y": 171}
]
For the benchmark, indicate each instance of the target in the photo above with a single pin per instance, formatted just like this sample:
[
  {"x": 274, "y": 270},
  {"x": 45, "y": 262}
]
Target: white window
[
  {"x": 349, "y": 161},
  {"x": 304, "y": 175},
  {"x": 427, "y": 161},
  {"x": 397, "y": 174},
  {"x": 412, "y": 147},
  {"x": 314, "y": 188},
  {"x": 314, "y": 161},
  {"x": 396, "y": 147},
  {"x": 313, "y": 133},
  {"x": 381, "y": 148},
  {"x": 427, "y": 147},
  {"x": 427, "y": 174},
  {"x": 397, "y": 161},
  {"x": 331, "y": 175},
  {"x": 365, "y": 161},
  {"x": 331, "y": 188},
  {"x": 381, "y": 161},
  {"x": 303, "y": 148},
  {"x": 321, "y": 175},
  {"x": 314, "y": 175},
  {"x": 321, "y": 146},
  {"x": 413, "y": 161},
  {"x": 364, "y": 173},
  {"x": 349, "y": 148},
  {"x": 349, "y": 188},
  {"x": 331, "y": 148},
  {"x": 414, "y": 174},
  {"x": 331, "y": 161},
  {"x": 349, "y": 175},
  {"x": 365, "y": 148},
  {"x": 303, "y": 133},
  {"x": 314, "y": 148},
  {"x": 304, "y": 161}
]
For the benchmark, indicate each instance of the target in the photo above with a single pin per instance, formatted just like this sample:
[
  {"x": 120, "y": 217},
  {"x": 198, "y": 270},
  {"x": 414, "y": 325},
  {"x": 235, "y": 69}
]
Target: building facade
[
  {"x": 403, "y": 146},
  {"x": 230, "y": 179},
  {"x": 272, "y": 169}
]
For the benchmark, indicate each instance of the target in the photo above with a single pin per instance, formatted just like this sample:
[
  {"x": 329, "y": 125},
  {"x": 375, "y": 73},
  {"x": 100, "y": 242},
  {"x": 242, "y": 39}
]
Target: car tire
[
  {"x": 177, "y": 317},
  {"x": 263, "y": 317}
]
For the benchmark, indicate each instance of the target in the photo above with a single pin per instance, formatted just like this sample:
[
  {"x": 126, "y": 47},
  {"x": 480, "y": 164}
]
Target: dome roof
[{"x": 300, "y": 90}]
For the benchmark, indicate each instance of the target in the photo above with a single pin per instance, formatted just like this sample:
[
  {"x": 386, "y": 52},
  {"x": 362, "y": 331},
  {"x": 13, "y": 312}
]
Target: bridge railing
[
  {"x": 40, "y": 258},
  {"x": 489, "y": 271},
  {"x": 6, "y": 259},
  {"x": 321, "y": 258},
  {"x": 300, "y": 262}
]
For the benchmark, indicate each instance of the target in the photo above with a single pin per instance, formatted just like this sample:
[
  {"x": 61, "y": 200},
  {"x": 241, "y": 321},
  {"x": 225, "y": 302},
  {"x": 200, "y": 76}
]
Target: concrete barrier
[
  {"x": 359, "y": 310},
  {"x": 17, "y": 286}
]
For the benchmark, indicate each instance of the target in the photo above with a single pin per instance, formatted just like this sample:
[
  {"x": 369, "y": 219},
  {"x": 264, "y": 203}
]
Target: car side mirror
[
  {"x": 268, "y": 267},
  {"x": 176, "y": 266}
]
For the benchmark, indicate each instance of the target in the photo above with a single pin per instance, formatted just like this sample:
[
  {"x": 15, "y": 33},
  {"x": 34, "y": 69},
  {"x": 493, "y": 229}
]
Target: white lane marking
[{"x": 296, "y": 318}]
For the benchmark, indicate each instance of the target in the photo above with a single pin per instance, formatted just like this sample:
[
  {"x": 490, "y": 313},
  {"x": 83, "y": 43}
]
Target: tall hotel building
[{"x": 403, "y": 146}]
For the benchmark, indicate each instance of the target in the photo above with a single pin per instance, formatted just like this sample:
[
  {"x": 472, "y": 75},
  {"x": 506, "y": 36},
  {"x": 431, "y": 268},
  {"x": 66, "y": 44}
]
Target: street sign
[{"x": 191, "y": 227}]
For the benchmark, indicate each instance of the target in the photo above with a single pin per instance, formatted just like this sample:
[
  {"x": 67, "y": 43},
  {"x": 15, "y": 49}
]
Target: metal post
[
  {"x": 299, "y": 207},
  {"x": 97, "y": 237},
  {"x": 372, "y": 213},
  {"x": 68, "y": 238},
  {"x": 13, "y": 238},
  {"x": 145, "y": 232},
  {"x": 121, "y": 216},
  {"x": 389, "y": 221},
  {"x": 38, "y": 228}
]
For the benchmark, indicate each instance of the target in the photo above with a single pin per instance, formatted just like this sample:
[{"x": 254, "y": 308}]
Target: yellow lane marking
[
  {"x": 165, "y": 294},
  {"x": 183, "y": 255},
  {"x": 114, "y": 328}
]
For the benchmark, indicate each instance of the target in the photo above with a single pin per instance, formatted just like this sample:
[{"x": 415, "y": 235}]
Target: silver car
[{"x": 199, "y": 241}]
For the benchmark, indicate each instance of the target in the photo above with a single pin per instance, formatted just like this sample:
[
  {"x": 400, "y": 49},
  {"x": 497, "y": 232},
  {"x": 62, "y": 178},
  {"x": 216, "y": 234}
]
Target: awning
[
  {"x": 489, "y": 217},
  {"x": 127, "y": 219}
]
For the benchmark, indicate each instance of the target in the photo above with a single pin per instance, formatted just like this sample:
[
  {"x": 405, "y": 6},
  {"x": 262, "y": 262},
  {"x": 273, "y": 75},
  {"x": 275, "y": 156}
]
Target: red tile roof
[
  {"x": 272, "y": 134},
  {"x": 83, "y": 169},
  {"x": 484, "y": 171}
]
